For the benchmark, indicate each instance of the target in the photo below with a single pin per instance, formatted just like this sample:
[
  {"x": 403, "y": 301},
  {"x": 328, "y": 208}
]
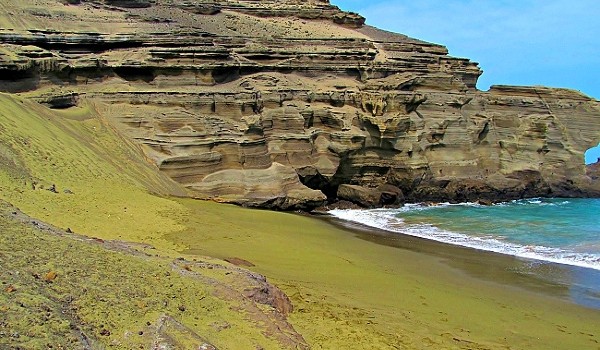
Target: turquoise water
[{"x": 564, "y": 231}]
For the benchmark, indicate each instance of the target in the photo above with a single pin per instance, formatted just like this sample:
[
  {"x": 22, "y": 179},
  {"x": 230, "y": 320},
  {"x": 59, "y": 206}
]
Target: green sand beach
[
  {"x": 351, "y": 293},
  {"x": 347, "y": 292}
]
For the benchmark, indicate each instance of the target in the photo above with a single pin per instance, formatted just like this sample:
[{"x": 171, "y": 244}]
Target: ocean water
[{"x": 563, "y": 231}]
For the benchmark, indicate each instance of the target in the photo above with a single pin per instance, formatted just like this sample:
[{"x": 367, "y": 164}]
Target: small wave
[
  {"x": 423, "y": 206},
  {"x": 387, "y": 220},
  {"x": 537, "y": 201}
]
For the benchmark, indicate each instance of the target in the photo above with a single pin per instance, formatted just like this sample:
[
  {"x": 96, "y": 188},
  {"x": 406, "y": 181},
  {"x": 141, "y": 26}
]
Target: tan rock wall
[{"x": 253, "y": 102}]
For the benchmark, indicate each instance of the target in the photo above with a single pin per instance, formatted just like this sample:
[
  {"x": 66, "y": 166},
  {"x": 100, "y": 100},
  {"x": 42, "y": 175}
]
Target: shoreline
[
  {"x": 350, "y": 293},
  {"x": 547, "y": 278}
]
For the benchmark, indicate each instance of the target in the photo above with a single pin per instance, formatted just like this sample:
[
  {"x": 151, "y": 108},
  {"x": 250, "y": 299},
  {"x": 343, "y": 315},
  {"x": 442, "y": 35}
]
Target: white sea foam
[
  {"x": 386, "y": 219},
  {"x": 537, "y": 201}
]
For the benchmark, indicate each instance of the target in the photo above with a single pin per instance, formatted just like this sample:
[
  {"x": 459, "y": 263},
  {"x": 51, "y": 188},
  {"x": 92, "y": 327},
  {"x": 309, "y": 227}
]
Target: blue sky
[{"x": 517, "y": 42}]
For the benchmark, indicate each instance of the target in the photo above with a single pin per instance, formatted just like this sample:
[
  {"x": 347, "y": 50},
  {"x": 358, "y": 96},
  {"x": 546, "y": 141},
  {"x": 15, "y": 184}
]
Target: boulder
[
  {"x": 277, "y": 187},
  {"x": 370, "y": 197}
]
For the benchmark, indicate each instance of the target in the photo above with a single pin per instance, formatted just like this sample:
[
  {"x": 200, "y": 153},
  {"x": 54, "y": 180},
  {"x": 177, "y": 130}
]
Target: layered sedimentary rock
[
  {"x": 593, "y": 170},
  {"x": 288, "y": 104}
]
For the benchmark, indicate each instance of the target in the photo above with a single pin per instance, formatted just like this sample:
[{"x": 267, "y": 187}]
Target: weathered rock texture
[
  {"x": 279, "y": 103},
  {"x": 593, "y": 170}
]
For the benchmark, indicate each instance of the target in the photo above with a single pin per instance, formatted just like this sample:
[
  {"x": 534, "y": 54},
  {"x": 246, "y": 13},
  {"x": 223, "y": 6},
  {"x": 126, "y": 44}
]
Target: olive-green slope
[
  {"x": 62, "y": 291},
  {"x": 58, "y": 288},
  {"x": 69, "y": 168}
]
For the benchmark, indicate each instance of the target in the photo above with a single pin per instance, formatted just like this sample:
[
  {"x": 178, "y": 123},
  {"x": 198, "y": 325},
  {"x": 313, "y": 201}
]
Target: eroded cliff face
[{"x": 289, "y": 104}]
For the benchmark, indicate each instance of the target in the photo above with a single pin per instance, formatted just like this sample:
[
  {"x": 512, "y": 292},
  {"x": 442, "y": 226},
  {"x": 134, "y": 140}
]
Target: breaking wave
[{"x": 392, "y": 220}]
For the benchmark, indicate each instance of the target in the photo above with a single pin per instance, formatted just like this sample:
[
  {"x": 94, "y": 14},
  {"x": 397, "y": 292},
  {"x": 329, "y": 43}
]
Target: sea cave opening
[{"x": 592, "y": 155}]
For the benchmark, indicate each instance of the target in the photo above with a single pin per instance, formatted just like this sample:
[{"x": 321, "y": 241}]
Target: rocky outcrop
[
  {"x": 288, "y": 104},
  {"x": 370, "y": 197},
  {"x": 593, "y": 170},
  {"x": 277, "y": 187}
]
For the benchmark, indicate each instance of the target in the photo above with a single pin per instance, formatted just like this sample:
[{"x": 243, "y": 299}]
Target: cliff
[
  {"x": 593, "y": 170},
  {"x": 289, "y": 104}
]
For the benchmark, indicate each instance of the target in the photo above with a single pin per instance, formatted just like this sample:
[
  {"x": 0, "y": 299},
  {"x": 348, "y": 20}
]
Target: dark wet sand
[{"x": 575, "y": 284}]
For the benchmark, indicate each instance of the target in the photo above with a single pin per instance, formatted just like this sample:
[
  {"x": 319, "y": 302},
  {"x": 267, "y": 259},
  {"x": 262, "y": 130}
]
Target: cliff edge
[
  {"x": 593, "y": 170},
  {"x": 291, "y": 104}
]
